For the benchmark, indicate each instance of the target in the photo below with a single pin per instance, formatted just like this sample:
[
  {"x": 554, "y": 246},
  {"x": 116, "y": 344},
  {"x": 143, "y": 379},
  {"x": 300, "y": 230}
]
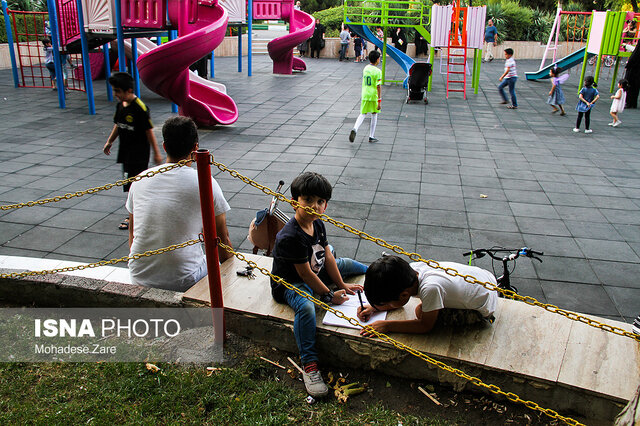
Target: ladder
[
  {"x": 457, "y": 52},
  {"x": 457, "y": 69}
]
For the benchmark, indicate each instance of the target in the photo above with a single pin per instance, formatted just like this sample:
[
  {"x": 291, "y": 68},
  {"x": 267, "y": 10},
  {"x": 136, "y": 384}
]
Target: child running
[
  {"x": 618, "y": 102},
  {"x": 556, "y": 95},
  {"x": 303, "y": 257},
  {"x": 371, "y": 96},
  {"x": 586, "y": 98}
]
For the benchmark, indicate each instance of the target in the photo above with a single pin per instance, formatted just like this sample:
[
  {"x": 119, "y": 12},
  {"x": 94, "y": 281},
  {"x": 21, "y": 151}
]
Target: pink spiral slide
[
  {"x": 165, "y": 69},
  {"x": 301, "y": 26}
]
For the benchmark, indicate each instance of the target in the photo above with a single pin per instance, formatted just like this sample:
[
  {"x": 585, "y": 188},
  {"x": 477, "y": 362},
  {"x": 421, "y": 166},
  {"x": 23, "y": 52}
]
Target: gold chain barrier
[
  {"x": 399, "y": 345},
  {"x": 379, "y": 241},
  {"x": 432, "y": 263},
  {"x": 96, "y": 189},
  {"x": 104, "y": 262}
]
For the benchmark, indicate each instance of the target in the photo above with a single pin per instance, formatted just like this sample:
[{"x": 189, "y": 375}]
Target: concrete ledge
[
  {"x": 81, "y": 292},
  {"x": 337, "y": 350}
]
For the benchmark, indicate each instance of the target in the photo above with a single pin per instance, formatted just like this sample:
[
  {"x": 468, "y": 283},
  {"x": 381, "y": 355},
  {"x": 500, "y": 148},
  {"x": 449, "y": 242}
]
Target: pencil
[{"x": 360, "y": 297}]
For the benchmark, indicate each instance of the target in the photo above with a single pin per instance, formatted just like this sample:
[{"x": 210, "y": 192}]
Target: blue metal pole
[
  {"x": 134, "y": 65},
  {"x": 107, "y": 71},
  {"x": 86, "y": 63},
  {"x": 12, "y": 53},
  {"x": 250, "y": 35},
  {"x": 239, "y": 48},
  {"x": 53, "y": 24},
  {"x": 173, "y": 34},
  {"x": 213, "y": 71},
  {"x": 122, "y": 65}
]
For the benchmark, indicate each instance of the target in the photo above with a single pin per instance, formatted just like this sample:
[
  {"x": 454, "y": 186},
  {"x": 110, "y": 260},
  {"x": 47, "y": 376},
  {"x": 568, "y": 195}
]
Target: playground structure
[
  {"x": 453, "y": 27},
  {"x": 598, "y": 33},
  {"x": 193, "y": 28},
  {"x": 359, "y": 15},
  {"x": 458, "y": 29},
  {"x": 301, "y": 26}
]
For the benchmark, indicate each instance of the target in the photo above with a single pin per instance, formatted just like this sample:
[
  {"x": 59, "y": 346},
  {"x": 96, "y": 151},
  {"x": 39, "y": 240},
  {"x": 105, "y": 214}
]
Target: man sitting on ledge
[{"x": 165, "y": 209}]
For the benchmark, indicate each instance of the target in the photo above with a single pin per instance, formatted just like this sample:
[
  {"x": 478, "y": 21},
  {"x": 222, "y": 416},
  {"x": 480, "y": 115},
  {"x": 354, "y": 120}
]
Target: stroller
[{"x": 418, "y": 77}]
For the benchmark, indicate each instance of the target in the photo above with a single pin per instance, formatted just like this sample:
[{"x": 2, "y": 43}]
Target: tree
[{"x": 311, "y": 6}]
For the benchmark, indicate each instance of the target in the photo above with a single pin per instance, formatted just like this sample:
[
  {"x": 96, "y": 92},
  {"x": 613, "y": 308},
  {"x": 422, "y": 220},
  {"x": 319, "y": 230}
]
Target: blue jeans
[
  {"x": 304, "y": 323},
  {"x": 343, "y": 51},
  {"x": 511, "y": 82}
]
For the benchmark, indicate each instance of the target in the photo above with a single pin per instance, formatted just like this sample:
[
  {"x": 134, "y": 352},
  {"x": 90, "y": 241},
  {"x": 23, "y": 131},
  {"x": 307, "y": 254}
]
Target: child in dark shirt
[
  {"x": 303, "y": 257},
  {"x": 134, "y": 128}
]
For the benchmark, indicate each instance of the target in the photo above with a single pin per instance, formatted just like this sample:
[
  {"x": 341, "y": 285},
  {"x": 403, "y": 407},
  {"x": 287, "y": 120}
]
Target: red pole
[{"x": 203, "y": 161}]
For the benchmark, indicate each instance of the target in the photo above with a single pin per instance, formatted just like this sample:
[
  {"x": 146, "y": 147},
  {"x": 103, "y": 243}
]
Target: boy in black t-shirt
[
  {"x": 133, "y": 126},
  {"x": 302, "y": 257}
]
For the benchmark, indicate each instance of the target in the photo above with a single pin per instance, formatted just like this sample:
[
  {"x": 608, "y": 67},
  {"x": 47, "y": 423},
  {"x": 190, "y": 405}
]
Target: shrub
[
  {"x": 516, "y": 20},
  {"x": 540, "y": 27},
  {"x": 331, "y": 19}
]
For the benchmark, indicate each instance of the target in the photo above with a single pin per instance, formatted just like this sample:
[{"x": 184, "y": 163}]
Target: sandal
[{"x": 124, "y": 224}]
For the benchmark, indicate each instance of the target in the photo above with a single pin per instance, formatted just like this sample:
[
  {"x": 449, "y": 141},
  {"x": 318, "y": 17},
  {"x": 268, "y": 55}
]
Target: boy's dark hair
[
  {"x": 121, "y": 80},
  {"x": 508, "y": 51},
  {"x": 589, "y": 81},
  {"x": 374, "y": 55},
  {"x": 624, "y": 84},
  {"x": 46, "y": 41},
  {"x": 386, "y": 278},
  {"x": 180, "y": 135},
  {"x": 311, "y": 183}
]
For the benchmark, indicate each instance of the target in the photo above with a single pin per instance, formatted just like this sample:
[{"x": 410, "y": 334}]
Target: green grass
[{"x": 107, "y": 393}]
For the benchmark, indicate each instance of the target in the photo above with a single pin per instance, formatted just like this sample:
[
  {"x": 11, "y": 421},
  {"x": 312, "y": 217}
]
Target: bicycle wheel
[{"x": 609, "y": 61}]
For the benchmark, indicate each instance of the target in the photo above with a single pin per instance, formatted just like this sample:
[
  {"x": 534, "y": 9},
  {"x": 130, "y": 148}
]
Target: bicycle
[
  {"x": 510, "y": 255},
  {"x": 607, "y": 60}
]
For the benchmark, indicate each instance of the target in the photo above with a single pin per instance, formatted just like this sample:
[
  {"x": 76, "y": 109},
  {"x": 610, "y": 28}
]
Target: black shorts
[{"x": 131, "y": 170}]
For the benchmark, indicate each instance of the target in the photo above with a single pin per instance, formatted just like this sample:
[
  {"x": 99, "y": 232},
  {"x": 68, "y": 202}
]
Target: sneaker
[
  {"x": 373, "y": 140},
  {"x": 611, "y": 124},
  {"x": 636, "y": 325},
  {"x": 352, "y": 135},
  {"x": 617, "y": 123},
  {"x": 313, "y": 381},
  {"x": 588, "y": 131},
  {"x": 576, "y": 130}
]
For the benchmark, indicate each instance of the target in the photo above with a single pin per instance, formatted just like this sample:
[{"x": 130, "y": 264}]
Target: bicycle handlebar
[{"x": 513, "y": 253}]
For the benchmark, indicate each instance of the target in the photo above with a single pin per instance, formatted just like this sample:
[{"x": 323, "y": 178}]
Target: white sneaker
[
  {"x": 576, "y": 130},
  {"x": 588, "y": 131},
  {"x": 314, "y": 384},
  {"x": 617, "y": 123},
  {"x": 611, "y": 124}
]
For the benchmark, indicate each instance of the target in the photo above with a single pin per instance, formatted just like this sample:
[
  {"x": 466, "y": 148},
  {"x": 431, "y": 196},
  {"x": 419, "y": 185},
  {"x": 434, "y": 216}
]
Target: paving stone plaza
[{"x": 443, "y": 178}]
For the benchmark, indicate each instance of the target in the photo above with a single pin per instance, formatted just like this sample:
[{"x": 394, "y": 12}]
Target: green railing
[{"x": 409, "y": 13}]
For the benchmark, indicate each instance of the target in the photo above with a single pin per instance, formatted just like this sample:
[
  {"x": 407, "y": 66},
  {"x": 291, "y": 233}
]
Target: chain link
[
  {"x": 136, "y": 256},
  {"x": 108, "y": 186},
  {"x": 379, "y": 241},
  {"x": 399, "y": 345},
  {"x": 432, "y": 263}
]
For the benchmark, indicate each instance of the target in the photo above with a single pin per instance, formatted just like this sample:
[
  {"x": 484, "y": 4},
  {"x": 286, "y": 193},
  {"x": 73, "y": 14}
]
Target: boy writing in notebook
[
  {"x": 450, "y": 300},
  {"x": 303, "y": 257}
]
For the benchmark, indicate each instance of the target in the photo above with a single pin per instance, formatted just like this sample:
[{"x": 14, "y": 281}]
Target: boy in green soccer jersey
[{"x": 371, "y": 96}]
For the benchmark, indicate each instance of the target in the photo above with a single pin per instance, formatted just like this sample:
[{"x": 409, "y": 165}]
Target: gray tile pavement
[{"x": 422, "y": 186}]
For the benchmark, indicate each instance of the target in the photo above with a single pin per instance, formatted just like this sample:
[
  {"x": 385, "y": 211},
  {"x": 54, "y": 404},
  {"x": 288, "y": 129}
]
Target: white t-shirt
[
  {"x": 166, "y": 210},
  {"x": 438, "y": 290},
  {"x": 510, "y": 64}
]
